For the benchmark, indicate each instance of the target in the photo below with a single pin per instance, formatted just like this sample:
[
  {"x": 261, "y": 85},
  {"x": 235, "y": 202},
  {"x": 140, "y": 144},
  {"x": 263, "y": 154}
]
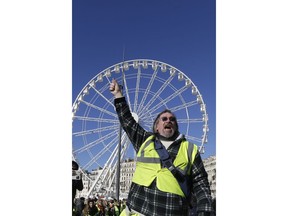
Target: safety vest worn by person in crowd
[
  {"x": 148, "y": 166},
  {"x": 117, "y": 211}
]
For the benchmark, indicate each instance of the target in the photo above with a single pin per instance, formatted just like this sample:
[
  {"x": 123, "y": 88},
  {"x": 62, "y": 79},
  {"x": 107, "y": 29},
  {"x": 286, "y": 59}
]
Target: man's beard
[
  {"x": 169, "y": 134},
  {"x": 171, "y": 137}
]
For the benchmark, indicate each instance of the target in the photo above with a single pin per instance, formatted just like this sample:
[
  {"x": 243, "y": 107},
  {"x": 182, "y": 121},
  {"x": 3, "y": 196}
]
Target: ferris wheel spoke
[
  {"x": 99, "y": 179},
  {"x": 193, "y": 120},
  {"x": 109, "y": 164},
  {"x": 137, "y": 89},
  {"x": 100, "y": 109},
  {"x": 126, "y": 88},
  {"x": 84, "y": 118},
  {"x": 125, "y": 147},
  {"x": 147, "y": 112},
  {"x": 110, "y": 179},
  {"x": 148, "y": 89},
  {"x": 98, "y": 155},
  {"x": 98, "y": 92},
  {"x": 112, "y": 156},
  {"x": 104, "y": 150},
  {"x": 112, "y": 162},
  {"x": 171, "y": 97},
  {"x": 147, "y": 124},
  {"x": 158, "y": 93},
  {"x": 183, "y": 106},
  {"x": 192, "y": 138},
  {"x": 91, "y": 131},
  {"x": 95, "y": 142}
]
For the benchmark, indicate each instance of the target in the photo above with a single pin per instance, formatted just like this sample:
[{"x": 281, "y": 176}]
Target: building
[
  {"x": 126, "y": 175},
  {"x": 210, "y": 167}
]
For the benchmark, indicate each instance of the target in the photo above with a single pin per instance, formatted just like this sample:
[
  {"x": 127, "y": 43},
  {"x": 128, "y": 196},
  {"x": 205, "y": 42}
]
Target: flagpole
[{"x": 119, "y": 144}]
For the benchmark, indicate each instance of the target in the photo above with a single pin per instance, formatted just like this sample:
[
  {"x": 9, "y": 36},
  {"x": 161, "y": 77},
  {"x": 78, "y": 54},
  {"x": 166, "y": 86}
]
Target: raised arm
[{"x": 134, "y": 131}]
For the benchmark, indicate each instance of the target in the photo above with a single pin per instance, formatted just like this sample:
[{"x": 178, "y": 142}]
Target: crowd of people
[{"x": 100, "y": 206}]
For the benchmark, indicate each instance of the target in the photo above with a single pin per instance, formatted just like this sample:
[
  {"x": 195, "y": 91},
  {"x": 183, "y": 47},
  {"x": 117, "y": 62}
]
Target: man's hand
[{"x": 115, "y": 89}]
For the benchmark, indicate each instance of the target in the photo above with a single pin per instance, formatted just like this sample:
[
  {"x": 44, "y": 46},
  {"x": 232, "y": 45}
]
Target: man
[
  {"x": 77, "y": 183},
  {"x": 154, "y": 190}
]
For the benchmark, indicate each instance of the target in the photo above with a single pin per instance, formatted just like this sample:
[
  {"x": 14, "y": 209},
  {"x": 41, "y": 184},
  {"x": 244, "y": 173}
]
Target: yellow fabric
[
  {"x": 123, "y": 213},
  {"x": 145, "y": 173}
]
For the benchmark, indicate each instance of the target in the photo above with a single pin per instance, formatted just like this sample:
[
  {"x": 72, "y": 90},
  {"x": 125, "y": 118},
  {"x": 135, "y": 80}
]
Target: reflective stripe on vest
[{"x": 148, "y": 166}]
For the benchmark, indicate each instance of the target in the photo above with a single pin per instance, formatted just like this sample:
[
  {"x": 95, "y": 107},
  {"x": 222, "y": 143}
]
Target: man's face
[{"x": 166, "y": 125}]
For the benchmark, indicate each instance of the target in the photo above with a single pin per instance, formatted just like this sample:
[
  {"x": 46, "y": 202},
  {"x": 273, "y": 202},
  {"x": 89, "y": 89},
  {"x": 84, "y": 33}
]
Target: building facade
[{"x": 210, "y": 167}]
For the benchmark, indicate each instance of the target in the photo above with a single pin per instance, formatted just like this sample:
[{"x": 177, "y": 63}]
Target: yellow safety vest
[
  {"x": 116, "y": 208},
  {"x": 123, "y": 213},
  {"x": 148, "y": 166}
]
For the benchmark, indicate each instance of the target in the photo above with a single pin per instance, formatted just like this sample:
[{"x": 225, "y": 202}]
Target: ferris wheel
[{"x": 149, "y": 86}]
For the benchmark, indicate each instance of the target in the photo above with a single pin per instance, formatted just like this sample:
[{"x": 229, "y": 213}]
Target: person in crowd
[
  {"x": 77, "y": 183},
  {"x": 122, "y": 205},
  {"x": 113, "y": 209},
  {"x": 154, "y": 190},
  {"x": 117, "y": 206},
  {"x": 101, "y": 207},
  {"x": 79, "y": 206},
  {"x": 90, "y": 209}
]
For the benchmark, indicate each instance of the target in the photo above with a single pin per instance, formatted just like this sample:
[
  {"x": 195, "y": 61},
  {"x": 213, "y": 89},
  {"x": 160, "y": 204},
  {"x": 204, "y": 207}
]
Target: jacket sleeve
[
  {"x": 134, "y": 131},
  {"x": 201, "y": 187}
]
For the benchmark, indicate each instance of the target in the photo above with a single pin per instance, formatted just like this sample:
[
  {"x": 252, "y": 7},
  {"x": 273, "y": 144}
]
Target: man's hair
[{"x": 158, "y": 117}]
